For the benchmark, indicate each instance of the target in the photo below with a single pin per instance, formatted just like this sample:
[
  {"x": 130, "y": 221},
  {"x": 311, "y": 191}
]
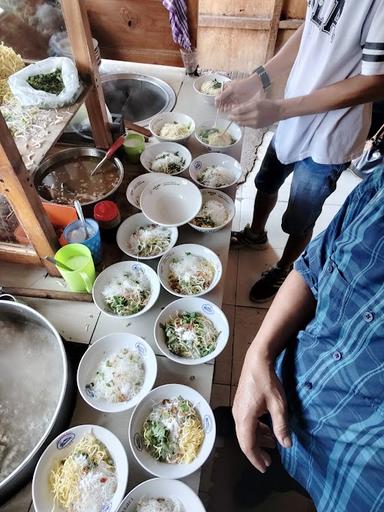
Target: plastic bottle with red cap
[{"x": 107, "y": 214}]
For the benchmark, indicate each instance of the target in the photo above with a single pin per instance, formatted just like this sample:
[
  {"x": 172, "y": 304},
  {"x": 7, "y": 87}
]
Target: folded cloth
[{"x": 179, "y": 22}]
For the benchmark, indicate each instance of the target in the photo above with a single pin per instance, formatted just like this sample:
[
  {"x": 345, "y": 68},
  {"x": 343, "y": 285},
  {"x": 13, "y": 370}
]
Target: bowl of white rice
[
  {"x": 116, "y": 372},
  {"x": 172, "y": 126},
  {"x": 140, "y": 238},
  {"x": 209, "y": 86},
  {"x": 166, "y": 157},
  {"x": 215, "y": 170},
  {"x": 218, "y": 138},
  {"x": 161, "y": 495},
  {"x": 126, "y": 289},
  {"x": 217, "y": 211}
]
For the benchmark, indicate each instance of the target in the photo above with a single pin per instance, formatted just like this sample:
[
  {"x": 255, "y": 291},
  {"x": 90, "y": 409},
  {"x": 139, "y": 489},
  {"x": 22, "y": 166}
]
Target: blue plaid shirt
[{"x": 333, "y": 373}]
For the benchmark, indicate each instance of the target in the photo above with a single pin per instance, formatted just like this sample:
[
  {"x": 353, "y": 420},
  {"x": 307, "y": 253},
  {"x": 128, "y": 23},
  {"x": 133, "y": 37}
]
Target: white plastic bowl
[
  {"x": 179, "y": 251},
  {"x": 215, "y": 159},
  {"x": 171, "y": 201},
  {"x": 151, "y": 152},
  {"x": 159, "y": 121},
  {"x": 138, "y": 184},
  {"x": 117, "y": 270},
  {"x": 163, "y": 488},
  {"x": 192, "y": 305},
  {"x": 140, "y": 414},
  {"x": 60, "y": 448},
  {"x": 197, "y": 84},
  {"x": 101, "y": 349},
  {"x": 130, "y": 225},
  {"x": 234, "y": 130},
  {"x": 222, "y": 198}
]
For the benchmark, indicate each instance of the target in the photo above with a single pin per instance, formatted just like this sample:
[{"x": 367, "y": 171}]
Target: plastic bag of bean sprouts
[{"x": 50, "y": 83}]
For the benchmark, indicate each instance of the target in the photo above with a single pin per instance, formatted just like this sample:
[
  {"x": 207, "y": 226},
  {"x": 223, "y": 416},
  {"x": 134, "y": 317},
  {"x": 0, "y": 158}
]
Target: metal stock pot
[{"x": 33, "y": 389}]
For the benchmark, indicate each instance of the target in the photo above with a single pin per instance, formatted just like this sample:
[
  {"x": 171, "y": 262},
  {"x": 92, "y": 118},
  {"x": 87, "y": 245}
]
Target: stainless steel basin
[{"x": 140, "y": 96}]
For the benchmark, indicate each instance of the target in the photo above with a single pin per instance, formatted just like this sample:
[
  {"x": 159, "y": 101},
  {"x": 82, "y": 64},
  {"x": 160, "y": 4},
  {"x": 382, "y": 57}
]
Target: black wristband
[{"x": 261, "y": 72}]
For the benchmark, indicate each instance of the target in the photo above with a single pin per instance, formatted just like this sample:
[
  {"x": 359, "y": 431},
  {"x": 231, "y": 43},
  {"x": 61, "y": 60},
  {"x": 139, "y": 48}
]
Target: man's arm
[
  {"x": 278, "y": 68},
  {"x": 259, "y": 390},
  {"x": 259, "y": 112}
]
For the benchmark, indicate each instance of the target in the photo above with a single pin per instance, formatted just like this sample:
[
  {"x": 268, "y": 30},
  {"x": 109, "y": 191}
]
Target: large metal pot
[
  {"x": 71, "y": 178},
  {"x": 18, "y": 317}
]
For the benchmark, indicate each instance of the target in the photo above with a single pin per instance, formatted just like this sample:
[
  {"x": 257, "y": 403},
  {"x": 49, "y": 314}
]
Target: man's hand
[
  {"x": 259, "y": 392},
  {"x": 238, "y": 92},
  {"x": 257, "y": 113}
]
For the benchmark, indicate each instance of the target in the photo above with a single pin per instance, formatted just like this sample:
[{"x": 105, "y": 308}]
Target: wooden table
[{"x": 88, "y": 324}]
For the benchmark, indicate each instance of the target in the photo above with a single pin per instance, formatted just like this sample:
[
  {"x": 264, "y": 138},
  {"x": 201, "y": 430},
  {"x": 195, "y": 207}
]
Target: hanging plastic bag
[{"x": 61, "y": 71}]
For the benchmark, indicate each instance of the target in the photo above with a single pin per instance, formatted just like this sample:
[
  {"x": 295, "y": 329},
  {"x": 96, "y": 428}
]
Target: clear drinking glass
[{"x": 189, "y": 60}]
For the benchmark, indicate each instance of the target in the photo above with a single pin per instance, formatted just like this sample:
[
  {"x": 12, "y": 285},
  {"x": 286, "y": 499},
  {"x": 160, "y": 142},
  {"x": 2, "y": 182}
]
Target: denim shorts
[{"x": 311, "y": 184}]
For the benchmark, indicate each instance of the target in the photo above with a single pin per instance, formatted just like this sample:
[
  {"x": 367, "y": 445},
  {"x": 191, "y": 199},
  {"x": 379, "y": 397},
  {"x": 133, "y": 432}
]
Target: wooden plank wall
[
  {"x": 239, "y": 35},
  {"x": 137, "y": 30}
]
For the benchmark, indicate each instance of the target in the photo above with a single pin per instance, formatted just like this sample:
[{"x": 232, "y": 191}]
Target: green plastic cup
[
  {"x": 134, "y": 144},
  {"x": 78, "y": 257}
]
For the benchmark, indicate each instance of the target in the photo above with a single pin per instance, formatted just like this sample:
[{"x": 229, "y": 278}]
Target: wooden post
[
  {"x": 79, "y": 33},
  {"x": 274, "y": 29},
  {"x": 16, "y": 185}
]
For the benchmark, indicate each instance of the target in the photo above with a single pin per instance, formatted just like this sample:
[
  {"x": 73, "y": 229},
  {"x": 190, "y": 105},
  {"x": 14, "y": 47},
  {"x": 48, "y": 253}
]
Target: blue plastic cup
[{"x": 74, "y": 234}]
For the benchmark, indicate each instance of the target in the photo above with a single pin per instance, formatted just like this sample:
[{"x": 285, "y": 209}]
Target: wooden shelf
[{"x": 55, "y": 119}]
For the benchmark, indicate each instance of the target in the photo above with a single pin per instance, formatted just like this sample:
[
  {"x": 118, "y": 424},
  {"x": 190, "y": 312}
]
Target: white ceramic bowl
[
  {"x": 140, "y": 414},
  {"x": 218, "y": 160},
  {"x": 171, "y": 201},
  {"x": 234, "y": 130},
  {"x": 60, "y": 448},
  {"x": 192, "y": 305},
  {"x": 163, "y": 488},
  {"x": 101, "y": 349},
  {"x": 117, "y": 270},
  {"x": 197, "y": 84},
  {"x": 138, "y": 184},
  {"x": 225, "y": 200},
  {"x": 178, "y": 252},
  {"x": 159, "y": 121},
  {"x": 152, "y": 150},
  {"x": 130, "y": 225}
]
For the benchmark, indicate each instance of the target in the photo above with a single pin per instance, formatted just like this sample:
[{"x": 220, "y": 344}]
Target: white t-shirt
[{"x": 341, "y": 39}]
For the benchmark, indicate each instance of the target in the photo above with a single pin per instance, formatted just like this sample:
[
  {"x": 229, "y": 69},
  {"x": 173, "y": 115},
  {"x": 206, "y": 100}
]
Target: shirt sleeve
[
  {"x": 315, "y": 257},
  {"x": 373, "y": 49}
]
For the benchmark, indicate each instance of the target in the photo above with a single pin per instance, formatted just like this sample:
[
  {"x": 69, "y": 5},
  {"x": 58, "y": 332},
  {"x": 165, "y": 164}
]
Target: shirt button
[
  {"x": 337, "y": 355},
  {"x": 368, "y": 316},
  {"x": 308, "y": 385},
  {"x": 330, "y": 268}
]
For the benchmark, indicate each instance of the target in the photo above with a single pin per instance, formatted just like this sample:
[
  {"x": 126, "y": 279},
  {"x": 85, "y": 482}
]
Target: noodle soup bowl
[
  {"x": 116, "y": 272},
  {"x": 181, "y": 251},
  {"x": 132, "y": 224},
  {"x": 204, "y": 416},
  {"x": 202, "y": 162},
  {"x": 102, "y": 349},
  {"x": 234, "y": 131},
  {"x": 60, "y": 448},
  {"x": 159, "y": 121},
  {"x": 163, "y": 488},
  {"x": 153, "y": 150},
  {"x": 192, "y": 305},
  {"x": 199, "y": 82},
  {"x": 225, "y": 201}
]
